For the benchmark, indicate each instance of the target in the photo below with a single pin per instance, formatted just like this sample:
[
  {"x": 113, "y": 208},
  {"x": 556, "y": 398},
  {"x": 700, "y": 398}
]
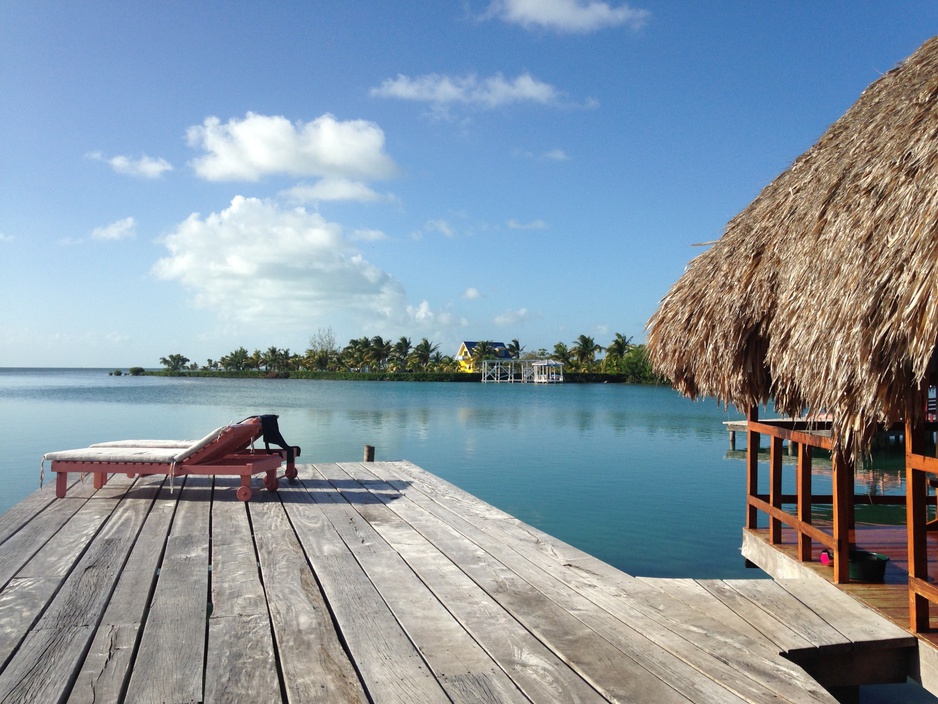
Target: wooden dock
[{"x": 381, "y": 582}]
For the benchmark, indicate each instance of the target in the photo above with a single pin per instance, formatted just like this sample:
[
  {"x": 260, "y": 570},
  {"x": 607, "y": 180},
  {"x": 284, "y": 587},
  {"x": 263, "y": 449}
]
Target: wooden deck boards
[{"x": 376, "y": 582}]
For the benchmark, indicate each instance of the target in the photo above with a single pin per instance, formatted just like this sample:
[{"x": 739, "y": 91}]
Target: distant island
[{"x": 378, "y": 359}]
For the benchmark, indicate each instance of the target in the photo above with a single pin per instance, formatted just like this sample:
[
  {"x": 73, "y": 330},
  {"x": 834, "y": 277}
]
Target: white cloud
[
  {"x": 491, "y": 92},
  {"x": 5, "y": 238},
  {"x": 511, "y": 317},
  {"x": 568, "y": 16},
  {"x": 555, "y": 155},
  {"x": 471, "y": 294},
  {"x": 533, "y": 225},
  {"x": 261, "y": 145},
  {"x": 143, "y": 167},
  {"x": 256, "y": 262},
  {"x": 119, "y": 230},
  {"x": 424, "y": 316},
  {"x": 368, "y": 235},
  {"x": 440, "y": 226},
  {"x": 334, "y": 189}
]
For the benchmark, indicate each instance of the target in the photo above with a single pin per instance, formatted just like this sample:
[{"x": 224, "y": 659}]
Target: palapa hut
[{"x": 822, "y": 295}]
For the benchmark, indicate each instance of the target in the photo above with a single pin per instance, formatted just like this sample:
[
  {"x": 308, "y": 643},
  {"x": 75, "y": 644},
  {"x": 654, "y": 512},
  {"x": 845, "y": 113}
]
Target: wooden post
[
  {"x": 843, "y": 497},
  {"x": 369, "y": 453},
  {"x": 916, "y": 488},
  {"x": 752, "y": 468},
  {"x": 804, "y": 489},
  {"x": 775, "y": 488}
]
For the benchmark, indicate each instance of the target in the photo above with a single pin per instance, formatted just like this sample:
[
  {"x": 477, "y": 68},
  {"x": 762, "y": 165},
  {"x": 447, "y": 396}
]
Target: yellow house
[{"x": 464, "y": 355}]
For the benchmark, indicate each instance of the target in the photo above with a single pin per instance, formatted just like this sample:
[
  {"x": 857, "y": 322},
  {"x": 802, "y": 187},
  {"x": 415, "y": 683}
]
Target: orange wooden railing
[{"x": 842, "y": 499}]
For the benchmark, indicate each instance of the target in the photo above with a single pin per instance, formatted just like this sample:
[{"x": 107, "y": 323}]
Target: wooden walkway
[{"x": 381, "y": 582}]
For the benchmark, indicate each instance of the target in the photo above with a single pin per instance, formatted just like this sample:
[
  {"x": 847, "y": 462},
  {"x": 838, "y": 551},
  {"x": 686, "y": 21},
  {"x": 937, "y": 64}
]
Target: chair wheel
[
  {"x": 244, "y": 493},
  {"x": 271, "y": 483},
  {"x": 290, "y": 473}
]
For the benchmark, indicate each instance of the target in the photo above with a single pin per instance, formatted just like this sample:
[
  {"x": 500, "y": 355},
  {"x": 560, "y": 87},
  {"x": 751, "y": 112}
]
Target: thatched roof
[{"x": 823, "y": 292}]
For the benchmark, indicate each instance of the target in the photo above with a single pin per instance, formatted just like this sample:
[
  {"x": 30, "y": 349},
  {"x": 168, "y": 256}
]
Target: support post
[
  {"x": 843, "y": 499},
  {"x": 369, "y": 453},
  {"x": 804, "y": 489},
  {"x": 775, "y": 488},
  {"x": 916, "y": 487},
  {"x": 752, "y": 467}
]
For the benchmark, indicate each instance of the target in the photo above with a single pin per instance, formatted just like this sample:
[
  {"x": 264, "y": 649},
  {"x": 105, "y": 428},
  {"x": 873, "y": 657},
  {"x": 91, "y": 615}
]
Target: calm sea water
[{"x": 637, "y": 476}]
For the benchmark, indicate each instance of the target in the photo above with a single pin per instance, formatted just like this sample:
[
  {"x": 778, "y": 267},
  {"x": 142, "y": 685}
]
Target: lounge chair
[{"x": 227, "y": 450}]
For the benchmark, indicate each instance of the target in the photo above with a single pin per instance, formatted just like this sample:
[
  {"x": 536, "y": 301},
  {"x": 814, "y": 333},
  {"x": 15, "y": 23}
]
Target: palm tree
[
  {"x": 175, "y": 362},
  {"x": 423, "y": 352},
  {"x": 562, "y": 354},
  {"x": 483, "y": 350},
  {"x": 584, "y": 351},
  {"x": 440, "y": 362},
  {"x": 236, "y": 361},
  {"x": 356, "y": 352},
  {"x": 380, "y": 351},
  {"x": 400, "y": 352},
  {"x": 515, "y": 349},
  {"x": 616, "y": 351}
]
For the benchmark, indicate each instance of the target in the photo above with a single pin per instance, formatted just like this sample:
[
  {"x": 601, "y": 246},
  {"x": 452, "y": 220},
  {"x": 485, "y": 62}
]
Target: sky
[{"x": 193, "y": 177}]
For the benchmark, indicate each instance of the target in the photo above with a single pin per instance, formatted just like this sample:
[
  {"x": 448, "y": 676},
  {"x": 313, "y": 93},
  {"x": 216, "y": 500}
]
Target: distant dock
[{"x": 381, "y": 582}]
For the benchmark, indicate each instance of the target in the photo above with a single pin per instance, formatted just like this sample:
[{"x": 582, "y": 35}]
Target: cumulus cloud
[
  {"x": 119, "y": 230},
  {"x": 533, "y": 225},
  {"x": 491, "y": 92},
  {"x": 334, "y": 189},
  {"x": 568, "y": 16},
  {"x": 142, "y": 167},
  {"x": 257, "y": 262},
  {"x": 471, "y": 294},
  {"x": 262, "y": 145},
  {"x": 424, "y": 316}
]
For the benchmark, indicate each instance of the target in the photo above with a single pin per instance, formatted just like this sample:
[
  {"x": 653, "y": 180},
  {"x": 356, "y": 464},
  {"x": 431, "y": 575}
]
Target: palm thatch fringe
[{"x": 823, "y": 293}]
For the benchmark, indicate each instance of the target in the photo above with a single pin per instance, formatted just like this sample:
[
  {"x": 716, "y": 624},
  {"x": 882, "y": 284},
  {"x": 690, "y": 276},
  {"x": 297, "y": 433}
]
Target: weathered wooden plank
[
  {"x": 696, "y": 637},
  {"x": 860, "y": 625},
  {"x": 315, "y": 666},
  {"x": 169, "y": 663},
  {"x": 463, "y": 668},
  {"x": 21, "y": 546},
  {"x": 390, "y": 667},
  {"x": 27, "y": 595},
  {"x": 69, "y": 623},
  {"x": 540, "y": 567},
  {"x": 773, "y": 630},
  {"x": 14, "y": 518},
  {"x": 106, "y": 668},
  {"x": 702, "y": 642},
  {"x": 619, "y": 662},
  {"x": 775, "y": 601},
  {"x": 536, "y": 670},
  {"x": 240, "y": 664}
]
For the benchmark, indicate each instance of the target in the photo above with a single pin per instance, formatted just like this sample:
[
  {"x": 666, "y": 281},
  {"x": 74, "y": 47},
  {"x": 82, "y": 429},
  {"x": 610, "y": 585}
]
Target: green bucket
[{"x": 867, "y": 566}]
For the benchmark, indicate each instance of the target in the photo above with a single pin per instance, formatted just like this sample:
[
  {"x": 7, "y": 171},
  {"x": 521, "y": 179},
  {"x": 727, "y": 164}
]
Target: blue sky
[{"x": 183, "y": 177}]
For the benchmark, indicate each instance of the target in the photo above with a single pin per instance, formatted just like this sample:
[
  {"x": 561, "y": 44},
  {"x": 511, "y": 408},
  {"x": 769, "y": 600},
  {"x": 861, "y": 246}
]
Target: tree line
[{"x": 376, "y": 354}]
